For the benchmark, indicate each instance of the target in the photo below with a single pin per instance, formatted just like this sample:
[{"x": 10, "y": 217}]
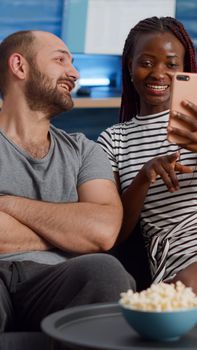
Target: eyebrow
[
  {"x": 64, "y": 52},
  {"x": 170, "y": 55}
]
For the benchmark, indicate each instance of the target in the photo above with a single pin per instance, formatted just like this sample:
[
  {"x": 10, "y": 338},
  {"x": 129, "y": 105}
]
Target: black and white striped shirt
[{"x": 169, "y": 220}]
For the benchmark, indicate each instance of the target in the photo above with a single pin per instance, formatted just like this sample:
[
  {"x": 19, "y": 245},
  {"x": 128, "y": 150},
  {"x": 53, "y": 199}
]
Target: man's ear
[{"x": 18, "y": 65}]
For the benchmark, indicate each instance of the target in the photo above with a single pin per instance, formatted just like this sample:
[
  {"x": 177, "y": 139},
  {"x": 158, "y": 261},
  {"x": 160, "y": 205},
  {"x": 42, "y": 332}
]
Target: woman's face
[{"x": 157, "y": 56}]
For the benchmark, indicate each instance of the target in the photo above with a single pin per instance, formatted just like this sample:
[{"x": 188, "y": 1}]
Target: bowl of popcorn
[{"x": 161, "y": 312}]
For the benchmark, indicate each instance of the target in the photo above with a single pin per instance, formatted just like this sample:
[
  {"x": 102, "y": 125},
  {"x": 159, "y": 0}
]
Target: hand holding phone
[{"x": 184, "y": 87}]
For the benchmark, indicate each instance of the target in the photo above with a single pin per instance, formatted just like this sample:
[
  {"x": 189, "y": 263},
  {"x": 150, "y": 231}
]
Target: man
[{"x": 58, "y": 198}]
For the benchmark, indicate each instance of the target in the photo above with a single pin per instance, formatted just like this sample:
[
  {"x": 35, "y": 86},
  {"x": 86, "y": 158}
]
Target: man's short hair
[{"x": 21, "y": 42}]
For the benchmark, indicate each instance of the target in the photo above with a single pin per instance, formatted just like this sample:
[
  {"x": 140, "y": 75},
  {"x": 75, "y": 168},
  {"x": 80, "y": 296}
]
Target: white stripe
[{"x": 129, "y": 145}]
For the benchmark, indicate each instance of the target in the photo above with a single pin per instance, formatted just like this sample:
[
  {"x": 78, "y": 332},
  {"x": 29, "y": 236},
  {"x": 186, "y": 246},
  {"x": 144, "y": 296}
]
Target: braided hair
[{"x": 130, "y": 102}]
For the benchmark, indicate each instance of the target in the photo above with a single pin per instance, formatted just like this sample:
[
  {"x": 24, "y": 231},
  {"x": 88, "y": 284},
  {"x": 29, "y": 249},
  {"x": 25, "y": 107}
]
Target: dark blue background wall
[
  {"x": 49, "y": 15},
  {"x": 30, "y": 14}
]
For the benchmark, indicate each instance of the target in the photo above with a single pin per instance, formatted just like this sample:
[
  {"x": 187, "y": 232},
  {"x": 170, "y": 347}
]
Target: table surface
[{"x": 102, "y": 327}]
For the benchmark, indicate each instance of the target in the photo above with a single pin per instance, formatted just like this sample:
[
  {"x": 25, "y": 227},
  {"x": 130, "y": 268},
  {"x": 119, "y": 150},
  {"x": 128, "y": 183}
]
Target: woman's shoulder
[{"x": 120, "y": 127}]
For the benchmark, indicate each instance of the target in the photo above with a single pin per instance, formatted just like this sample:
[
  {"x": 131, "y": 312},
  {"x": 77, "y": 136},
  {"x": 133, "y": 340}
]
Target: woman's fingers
[
  {"x": 190, "y": 106},
  {"x": 189, "y": 132},
  {"x": 183, "y": 168},
  {"x": 190, "y": 138},
  {"x": 188, "y": 120},
  {"x": 166, "y": 167},
  {"x": 169, "y": 175}
]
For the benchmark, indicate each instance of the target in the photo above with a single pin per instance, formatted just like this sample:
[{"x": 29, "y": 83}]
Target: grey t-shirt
[{"x": 72, "y": 160}]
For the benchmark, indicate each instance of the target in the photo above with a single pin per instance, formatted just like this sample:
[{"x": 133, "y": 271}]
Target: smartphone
[{"x": 184, "y": 87}]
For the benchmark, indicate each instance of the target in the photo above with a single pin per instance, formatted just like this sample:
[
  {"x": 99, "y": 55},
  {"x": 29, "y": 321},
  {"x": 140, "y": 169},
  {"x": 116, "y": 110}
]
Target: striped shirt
[{"x": 168, "y": 220}]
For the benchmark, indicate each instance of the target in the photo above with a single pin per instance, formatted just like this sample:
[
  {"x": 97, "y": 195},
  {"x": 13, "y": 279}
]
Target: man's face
[
  {"x": 42, "y": 95},
  {"x": 51, "y": 78}
]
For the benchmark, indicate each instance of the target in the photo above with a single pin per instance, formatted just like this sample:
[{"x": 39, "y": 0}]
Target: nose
[
  {"x": 73, "y": 72},
  {"x": 158, "y": 71}
]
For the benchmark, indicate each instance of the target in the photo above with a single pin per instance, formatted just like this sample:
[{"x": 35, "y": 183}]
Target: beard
[{"x": 42, "y": 96}]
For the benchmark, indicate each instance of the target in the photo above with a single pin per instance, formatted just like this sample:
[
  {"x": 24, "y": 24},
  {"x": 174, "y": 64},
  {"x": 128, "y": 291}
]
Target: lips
[
  {"x": 157, "y": 87},
  {"x": 66, "y": 85}
]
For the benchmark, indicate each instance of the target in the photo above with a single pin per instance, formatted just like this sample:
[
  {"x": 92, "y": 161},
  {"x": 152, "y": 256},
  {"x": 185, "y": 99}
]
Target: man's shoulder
[
  {"x": 76, "y": 140},
  {"x": 72, "y": 136}
]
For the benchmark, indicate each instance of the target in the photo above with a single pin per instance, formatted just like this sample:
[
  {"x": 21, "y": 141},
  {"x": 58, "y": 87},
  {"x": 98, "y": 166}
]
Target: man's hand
[
  {"x": 189, "y": 135},
  {"x": 16, "y": 237}
]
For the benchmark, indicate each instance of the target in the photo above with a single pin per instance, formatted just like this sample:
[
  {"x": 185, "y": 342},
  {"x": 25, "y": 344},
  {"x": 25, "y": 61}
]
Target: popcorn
[{"x": 160, "y": 297}]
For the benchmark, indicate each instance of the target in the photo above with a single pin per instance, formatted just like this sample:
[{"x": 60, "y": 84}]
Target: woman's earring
[{"x": 131, "y": 77}]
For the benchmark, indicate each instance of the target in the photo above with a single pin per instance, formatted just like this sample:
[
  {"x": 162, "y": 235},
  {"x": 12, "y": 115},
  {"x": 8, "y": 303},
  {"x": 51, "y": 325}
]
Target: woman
[{"x": 157, "y": 180}]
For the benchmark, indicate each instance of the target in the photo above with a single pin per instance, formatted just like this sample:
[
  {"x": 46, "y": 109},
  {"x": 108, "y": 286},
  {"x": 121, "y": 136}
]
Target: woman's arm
[{"x": 134, "y": 196}]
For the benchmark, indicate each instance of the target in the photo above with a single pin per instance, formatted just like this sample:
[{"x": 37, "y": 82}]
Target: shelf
[
  {"x": 88, "y": 102},
  {"x": 84, "y": 102}
]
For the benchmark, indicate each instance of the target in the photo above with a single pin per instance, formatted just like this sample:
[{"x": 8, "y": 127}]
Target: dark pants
[{"x": 30, "y": 291}]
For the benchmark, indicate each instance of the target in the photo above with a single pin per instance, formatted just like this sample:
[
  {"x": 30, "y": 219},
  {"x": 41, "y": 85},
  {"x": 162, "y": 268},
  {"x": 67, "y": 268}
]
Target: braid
[{"x": 130, "y": 102}]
